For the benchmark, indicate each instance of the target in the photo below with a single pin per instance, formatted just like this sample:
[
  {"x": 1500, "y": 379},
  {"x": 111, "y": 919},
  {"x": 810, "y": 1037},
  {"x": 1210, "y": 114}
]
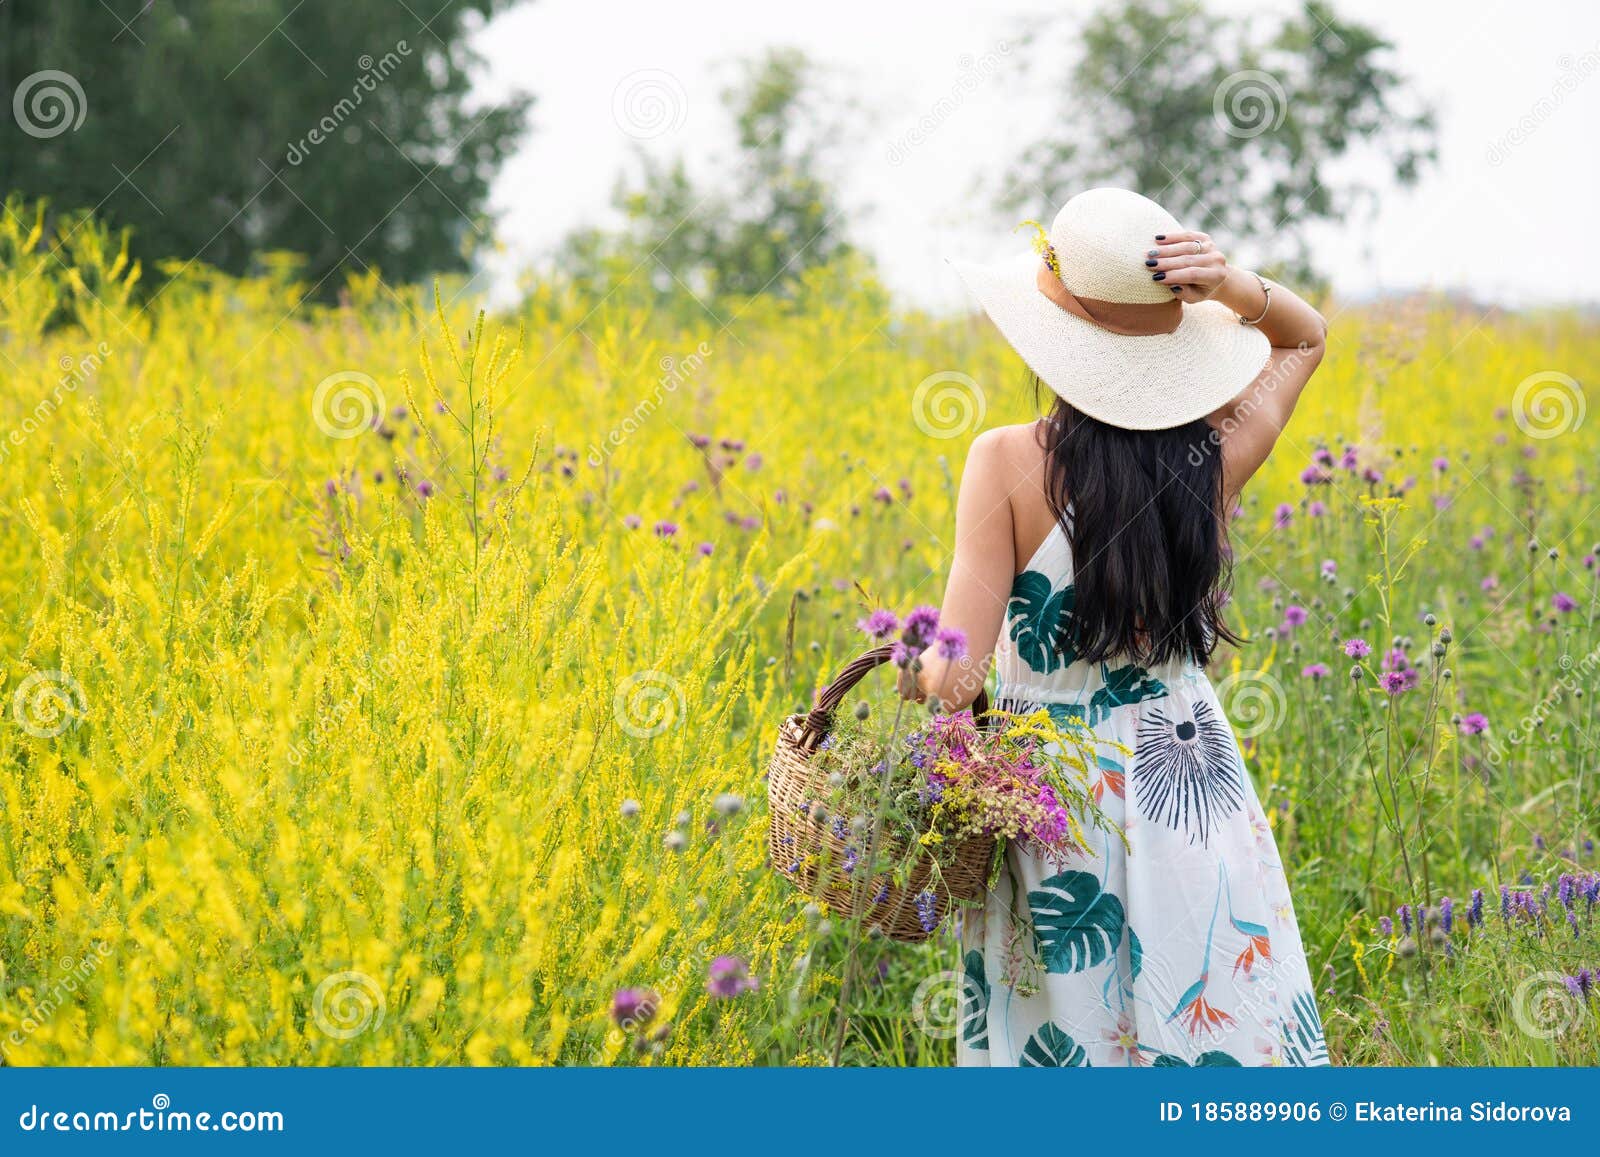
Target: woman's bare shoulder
[{"x": 1015, "y": 450}]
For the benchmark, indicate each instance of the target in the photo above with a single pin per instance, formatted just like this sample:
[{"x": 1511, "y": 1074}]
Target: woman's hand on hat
[{"x": 1187, "y": 263}]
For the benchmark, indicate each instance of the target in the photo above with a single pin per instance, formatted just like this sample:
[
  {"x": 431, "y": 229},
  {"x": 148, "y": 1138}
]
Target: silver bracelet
[{"x": 1266, "y": 291}]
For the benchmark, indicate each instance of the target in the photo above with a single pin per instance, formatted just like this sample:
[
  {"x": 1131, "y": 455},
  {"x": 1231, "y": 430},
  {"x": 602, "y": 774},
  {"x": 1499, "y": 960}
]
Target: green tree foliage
[
  {"x": 775, "y": 218},
  {"x": 1239, "y": 126},
  {"x": 219, "y": 129}
]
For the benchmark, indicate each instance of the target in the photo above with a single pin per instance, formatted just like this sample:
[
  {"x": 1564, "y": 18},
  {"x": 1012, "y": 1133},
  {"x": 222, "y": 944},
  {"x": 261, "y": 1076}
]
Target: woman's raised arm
[{"x": 1248, "y": 426}]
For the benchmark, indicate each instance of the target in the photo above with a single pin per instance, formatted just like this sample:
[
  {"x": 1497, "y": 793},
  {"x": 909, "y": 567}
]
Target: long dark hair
[{"x": 1149, "y": 550}]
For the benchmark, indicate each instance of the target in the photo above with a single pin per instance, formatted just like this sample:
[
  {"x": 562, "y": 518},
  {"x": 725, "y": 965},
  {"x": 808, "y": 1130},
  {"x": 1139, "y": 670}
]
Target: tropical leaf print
[
  {"x": 1065, "y": 715},
  {"x": 1123, "y": 686},
  {"x": 974, "y": 1002},
  {"x": 1303, "y": 1042},
  {"x": 1135, "y": 952},
  {"x": 1076, "y": 925},
  {"x": 1040, "y": 621},
  {"x": 1186, "y": 772},
  {"x": 1215, "y": 1059},
  {"x": 1052, "y": 1048}
]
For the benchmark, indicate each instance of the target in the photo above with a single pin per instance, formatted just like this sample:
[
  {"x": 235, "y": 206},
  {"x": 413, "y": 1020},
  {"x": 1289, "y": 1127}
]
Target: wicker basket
[{"x": 806, "y": 851}]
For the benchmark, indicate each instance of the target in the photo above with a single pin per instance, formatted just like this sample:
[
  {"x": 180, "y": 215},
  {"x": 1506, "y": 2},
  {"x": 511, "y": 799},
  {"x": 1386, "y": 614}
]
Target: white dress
[{"x": 1182, "y": 949}]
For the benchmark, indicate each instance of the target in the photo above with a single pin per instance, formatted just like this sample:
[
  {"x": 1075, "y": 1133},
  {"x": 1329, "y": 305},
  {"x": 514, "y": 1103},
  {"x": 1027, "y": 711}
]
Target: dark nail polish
[
  {"x": 1161, "y": 236},
  {"x": 1150, "y": 264},
  {"x": 1159, "y": 277},
  {"x": 1151, "y": 253}
]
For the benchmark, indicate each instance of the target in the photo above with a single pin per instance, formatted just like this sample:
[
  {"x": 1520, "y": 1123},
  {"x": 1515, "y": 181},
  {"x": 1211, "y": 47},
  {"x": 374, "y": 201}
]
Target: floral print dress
[{"x": 1180, "y": 948}]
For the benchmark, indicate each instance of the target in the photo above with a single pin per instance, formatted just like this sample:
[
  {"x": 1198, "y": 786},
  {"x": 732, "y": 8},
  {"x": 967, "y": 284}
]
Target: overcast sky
[{"x": 1508, "y": 213}]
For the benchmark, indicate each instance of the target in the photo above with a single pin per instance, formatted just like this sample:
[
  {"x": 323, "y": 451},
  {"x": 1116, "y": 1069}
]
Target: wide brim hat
[{"x": 1085, "y": 315}]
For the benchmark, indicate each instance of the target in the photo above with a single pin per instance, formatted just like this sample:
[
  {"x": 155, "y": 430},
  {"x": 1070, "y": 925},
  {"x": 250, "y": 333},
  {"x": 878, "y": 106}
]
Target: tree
[
  {"x": 1234, "y": 129},
  {"x": 779, "y": 219},
  {"x": 219, "y": 129}
]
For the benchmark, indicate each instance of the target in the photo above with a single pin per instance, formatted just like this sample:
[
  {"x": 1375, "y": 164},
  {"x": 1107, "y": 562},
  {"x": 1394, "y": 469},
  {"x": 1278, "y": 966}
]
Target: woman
[{"x": 1091, "y": 559}]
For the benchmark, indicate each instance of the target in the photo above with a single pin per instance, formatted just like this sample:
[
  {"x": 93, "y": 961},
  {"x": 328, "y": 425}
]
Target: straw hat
[{"x": 1105, "y": 337}]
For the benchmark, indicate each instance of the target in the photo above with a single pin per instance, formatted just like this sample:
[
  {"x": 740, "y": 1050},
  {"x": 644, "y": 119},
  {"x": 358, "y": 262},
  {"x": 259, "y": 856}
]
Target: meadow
[{"x": 387, "y": 684}]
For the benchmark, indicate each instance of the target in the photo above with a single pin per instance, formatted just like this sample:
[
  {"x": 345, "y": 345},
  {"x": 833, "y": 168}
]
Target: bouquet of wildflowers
[{"x": 920, "y": 793}]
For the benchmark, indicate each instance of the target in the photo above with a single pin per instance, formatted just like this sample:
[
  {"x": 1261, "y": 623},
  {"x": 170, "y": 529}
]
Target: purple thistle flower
[
  {"x": 1393, "y": 682},
  {"x": 632, "y": 522},
  {"x": 1315, "y": 476},
  {"x": 1564, "y": 603},
  {"x": 1441, "y": 464},
  {"x": 729, "y": 977},
  {"x": 1315, "y": 671},
  {"x": 883, "y": 494},
  {"x": 425, "y": 488},
  {"x": 1473, "y": 723},
  {"x": 1357, "y": 648},
  {"x": 705, "y": 548},
  {"x": 1294, "y": 615},
  {"x": 1490, "y": 583},
  {"x": 1317, "y": 509},
  {"x": 633, "y": 1007},
  {"x": 920, "y": 626},
  {"x": 952, "y": 643},
  {"x": 1283, "y": 516},
  {"x": 666, "y": 529},
  {"x": 880, "y": 624}
]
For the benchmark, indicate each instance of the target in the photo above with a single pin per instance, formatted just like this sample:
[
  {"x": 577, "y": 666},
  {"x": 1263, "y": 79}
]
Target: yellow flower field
[{"x": 337, "y": 639}]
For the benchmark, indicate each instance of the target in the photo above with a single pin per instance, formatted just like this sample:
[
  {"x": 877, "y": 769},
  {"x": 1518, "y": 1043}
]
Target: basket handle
[{"x": 817, "y": 722}]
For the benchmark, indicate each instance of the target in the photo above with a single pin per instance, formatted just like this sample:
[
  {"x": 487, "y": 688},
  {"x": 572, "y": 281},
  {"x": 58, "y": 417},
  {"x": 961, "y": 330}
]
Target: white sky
[{"x": 1517, "y": 231}]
